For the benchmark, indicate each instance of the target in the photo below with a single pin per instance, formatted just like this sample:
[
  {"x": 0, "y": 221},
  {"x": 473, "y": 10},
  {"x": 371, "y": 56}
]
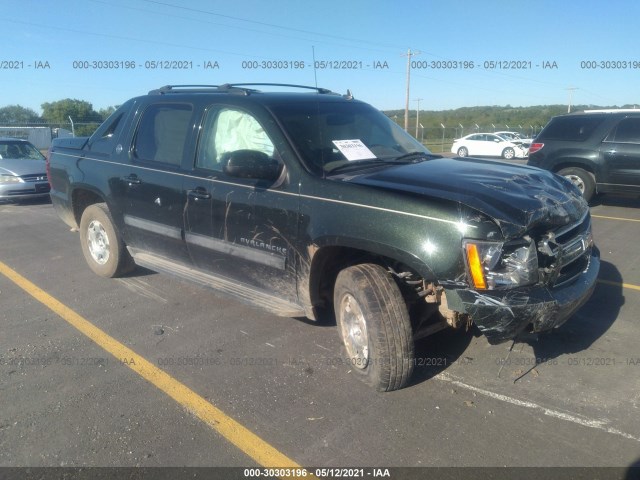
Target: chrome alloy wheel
[
  {"x": 353, "y": 327},
  {"x": 509, "y": 153},
  {"x": 577, "y": 181},
  {"x": 98, "y": 242}
]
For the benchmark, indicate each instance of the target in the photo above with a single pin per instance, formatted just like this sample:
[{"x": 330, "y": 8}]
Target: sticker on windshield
[{"x": 354, "y": 149}]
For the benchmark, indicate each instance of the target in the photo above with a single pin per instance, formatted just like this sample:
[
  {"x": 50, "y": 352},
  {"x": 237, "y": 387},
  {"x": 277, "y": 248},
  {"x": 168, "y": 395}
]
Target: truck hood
[
  {"x": 517, "y": 198},
  {"x": 21, "y": 166}
]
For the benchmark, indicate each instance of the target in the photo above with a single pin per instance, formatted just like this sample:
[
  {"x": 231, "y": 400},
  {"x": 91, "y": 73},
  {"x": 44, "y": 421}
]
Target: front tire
[
  {"x": 102, "y": 247},
  {"x": 463, "y": 152},
  {"x": 508, "y": 153},
  {"x": 581, "y": 179},
  {"x": 374, "y": 326}
]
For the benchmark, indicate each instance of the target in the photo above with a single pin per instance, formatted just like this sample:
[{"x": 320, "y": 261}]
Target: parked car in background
[
  {"x": 487, "y": 145},
  {"x": 515, "y": 137},
  {"x": 22, "y": 171},
  {"x": 598, "y": 150}
]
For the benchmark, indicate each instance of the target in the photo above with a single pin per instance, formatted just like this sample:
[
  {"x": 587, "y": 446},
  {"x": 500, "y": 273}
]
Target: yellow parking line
[
  {"x": 619, "y": 284},
  {"x": 616, "y": 218},
  {"x": 252, "y": 445}
]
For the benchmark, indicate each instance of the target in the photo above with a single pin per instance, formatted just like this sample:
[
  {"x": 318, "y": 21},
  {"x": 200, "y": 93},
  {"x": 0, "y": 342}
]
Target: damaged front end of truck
[
  {"x": 540, "y": 273},
  {"x": 526, "y": 260}
]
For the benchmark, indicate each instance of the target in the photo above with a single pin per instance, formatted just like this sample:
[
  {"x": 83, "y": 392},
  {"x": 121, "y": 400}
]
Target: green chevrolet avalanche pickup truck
[{"x": 304, "y": 201}]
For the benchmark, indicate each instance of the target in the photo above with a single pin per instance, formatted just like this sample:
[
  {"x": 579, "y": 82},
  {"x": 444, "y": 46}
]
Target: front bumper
[
  {"x": 502, "y": 314},
  {"x": 521, "y": 152},
  {"x": 24, "y": 191}
]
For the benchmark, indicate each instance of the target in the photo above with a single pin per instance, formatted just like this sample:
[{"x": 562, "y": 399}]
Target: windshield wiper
[
  {"x": 408, "y": 156},
  {"x": 356, "y": 164}
]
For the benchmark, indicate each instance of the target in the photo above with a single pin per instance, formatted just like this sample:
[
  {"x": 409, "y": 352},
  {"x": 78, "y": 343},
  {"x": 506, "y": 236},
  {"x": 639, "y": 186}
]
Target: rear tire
[
  {"x": 102, "y": 247},
  {"x": 374, "y": 326},
  {"x": 581, "y": 179}
]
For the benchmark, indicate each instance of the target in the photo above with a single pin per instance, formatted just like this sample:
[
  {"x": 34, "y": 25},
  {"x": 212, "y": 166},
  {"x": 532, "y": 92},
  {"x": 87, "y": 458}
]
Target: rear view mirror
[{"x": 251, "y": 164}]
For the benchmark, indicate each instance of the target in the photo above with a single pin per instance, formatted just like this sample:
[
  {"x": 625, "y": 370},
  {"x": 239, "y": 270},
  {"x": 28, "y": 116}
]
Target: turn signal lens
[{"x": 475, "y": 266}]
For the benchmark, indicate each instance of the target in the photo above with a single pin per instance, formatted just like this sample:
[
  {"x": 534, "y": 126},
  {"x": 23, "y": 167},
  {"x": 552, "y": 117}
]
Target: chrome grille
[
  {"x": 564, "y": 254},
  {"x": 35, "y": 177}
]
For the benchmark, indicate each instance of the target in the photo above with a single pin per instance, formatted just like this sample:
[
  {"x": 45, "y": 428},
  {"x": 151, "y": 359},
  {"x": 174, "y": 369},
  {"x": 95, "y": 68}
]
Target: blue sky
[{"x": 266, "y": 35}]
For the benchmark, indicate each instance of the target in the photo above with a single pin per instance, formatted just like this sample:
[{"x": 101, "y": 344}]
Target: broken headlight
[{"x": 494, "y": 265}]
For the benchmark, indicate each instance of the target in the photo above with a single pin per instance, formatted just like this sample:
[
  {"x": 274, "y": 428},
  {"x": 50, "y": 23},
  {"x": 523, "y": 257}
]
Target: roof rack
[
  {"x": 290, "y": 85},
  {"x": 230, "y": 88},
  {"x": 176, "y": 88},
  {"x": 613, "y": 110}
]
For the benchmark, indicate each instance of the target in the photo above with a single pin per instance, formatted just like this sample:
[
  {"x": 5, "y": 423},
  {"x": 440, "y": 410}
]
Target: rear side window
[
  {"x": 105, "y": 137},
  {"x": 627, "y": 131},
  {"x": 573, "y": 129},
  {"x": 162, "y": 133}
]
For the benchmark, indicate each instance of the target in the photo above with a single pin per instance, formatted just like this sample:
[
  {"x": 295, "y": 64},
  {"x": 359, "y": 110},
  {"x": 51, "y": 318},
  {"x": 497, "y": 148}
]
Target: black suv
[
  {"x": 598, "y": 150},
  {"x": 301, "y": 203}
]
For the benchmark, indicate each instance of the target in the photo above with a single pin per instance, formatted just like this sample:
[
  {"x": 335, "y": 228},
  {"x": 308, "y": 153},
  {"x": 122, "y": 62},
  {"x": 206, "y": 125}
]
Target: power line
[{"x": 266, "y": 24}]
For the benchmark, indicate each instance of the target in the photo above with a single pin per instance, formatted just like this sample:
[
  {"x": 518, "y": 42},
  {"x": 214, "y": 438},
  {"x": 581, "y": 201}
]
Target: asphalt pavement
[{"x": 569, "y": 399}]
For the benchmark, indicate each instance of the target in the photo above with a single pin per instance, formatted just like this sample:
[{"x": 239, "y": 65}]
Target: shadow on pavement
[
  {"x": 436, "y": 353},
  {"x": 589, "y": 323}
]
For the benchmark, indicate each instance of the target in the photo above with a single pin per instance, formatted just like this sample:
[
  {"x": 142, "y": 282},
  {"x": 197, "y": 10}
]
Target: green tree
[
  {"x": 18, "y": 115},
  {"x": 105, "y": 112},
  {"x": 85, "y": 118}
]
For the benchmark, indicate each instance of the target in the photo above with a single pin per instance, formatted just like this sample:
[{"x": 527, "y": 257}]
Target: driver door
[{"x": 239, "y": 222}]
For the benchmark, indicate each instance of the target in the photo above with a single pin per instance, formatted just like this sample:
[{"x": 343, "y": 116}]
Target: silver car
[{"x": 23, "y": 172}]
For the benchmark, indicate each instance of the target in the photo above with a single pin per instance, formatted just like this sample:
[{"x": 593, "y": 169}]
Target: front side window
[
  {"x": 228, "y": 130},
  {"x": 162, "y": 133}
]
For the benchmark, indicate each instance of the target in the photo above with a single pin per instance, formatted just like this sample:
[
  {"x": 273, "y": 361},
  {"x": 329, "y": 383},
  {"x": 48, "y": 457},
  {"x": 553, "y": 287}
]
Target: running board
[{"x": 255, "y": 297}]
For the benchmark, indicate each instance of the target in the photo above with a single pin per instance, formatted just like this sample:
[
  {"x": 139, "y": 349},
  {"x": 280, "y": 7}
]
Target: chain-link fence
[{"x": 41, "y": 134}]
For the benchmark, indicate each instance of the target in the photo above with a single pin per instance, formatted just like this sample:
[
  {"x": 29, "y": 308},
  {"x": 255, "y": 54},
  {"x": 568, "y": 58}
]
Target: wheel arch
[
  {"x": 81, "y": 198},
  {"x": 329, "y": 258},
  {"x": 576, "y": 163}
]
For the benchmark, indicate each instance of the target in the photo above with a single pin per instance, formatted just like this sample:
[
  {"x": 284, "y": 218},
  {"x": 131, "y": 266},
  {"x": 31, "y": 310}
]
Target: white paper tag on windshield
[{"x": 354, "y": 149}]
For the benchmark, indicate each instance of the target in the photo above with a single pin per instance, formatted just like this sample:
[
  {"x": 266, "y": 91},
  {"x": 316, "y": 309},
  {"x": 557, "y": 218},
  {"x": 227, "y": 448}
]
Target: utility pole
[
  {"x": 417, "y": 114},
  {"x": 409, "y": 54},
  {"x": 571, "y": 89}
]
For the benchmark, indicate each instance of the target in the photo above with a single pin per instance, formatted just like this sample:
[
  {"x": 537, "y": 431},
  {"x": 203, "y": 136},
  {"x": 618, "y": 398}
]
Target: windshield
[
  {"x": 19, "y": 150},
  {"x": 330, "y": 135}
]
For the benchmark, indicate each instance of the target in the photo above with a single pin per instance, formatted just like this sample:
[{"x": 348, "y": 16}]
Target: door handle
[
  {"x": 199, "y": 194},
  {"x": 131, "y": 179}
]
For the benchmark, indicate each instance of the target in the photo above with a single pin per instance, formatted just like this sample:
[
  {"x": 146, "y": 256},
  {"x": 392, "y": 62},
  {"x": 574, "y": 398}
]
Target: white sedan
[{"x": 489, "y": 145}]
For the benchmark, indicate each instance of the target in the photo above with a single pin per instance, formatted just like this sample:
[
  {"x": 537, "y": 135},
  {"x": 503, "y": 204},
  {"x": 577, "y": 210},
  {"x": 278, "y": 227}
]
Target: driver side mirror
[{"x": 251, "y": 164}]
